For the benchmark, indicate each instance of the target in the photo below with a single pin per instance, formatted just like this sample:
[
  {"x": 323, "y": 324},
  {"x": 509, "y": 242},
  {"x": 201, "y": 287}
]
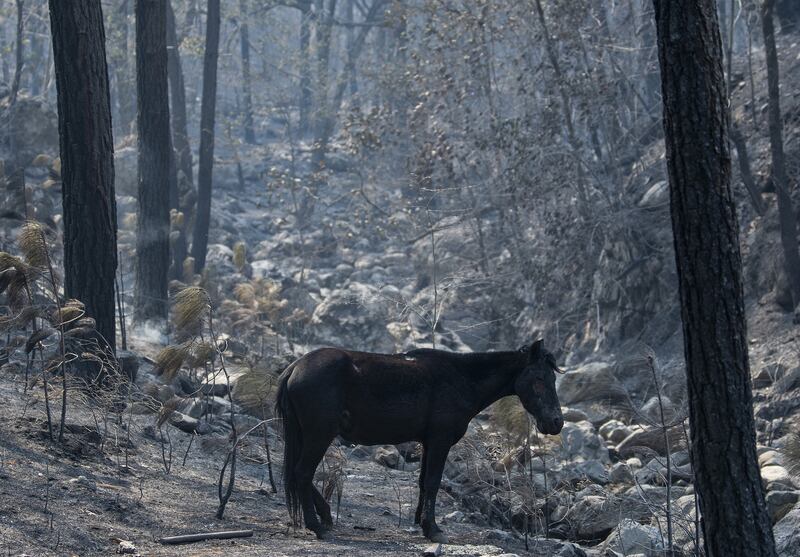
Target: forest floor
[{"x": 77, "y": 498}]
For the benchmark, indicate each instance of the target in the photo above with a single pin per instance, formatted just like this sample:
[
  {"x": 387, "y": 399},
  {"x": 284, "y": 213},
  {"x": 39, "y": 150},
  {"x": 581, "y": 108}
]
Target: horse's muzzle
[{"x": 551, "y": 426}]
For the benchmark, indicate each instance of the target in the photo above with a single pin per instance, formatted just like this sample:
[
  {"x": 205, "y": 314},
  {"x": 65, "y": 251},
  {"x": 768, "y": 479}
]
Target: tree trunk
[
  {"x": 706, "y": 236},
  {"x": 180, "y": 135},
  {"x": 118, "y": 56},
  {"x": 786, "y": 213},
  {"x": 247, "y": 94},
  {"x": 87, "y": 158},
  {"x": 305, "y": 67},
  {"x": 152, "y": 223},
  {"x": 207, "y": 116},
  {"x": 744, "y": 169},
  {"x": 20, "y": 52},
  {"x": 321, "y": 108}
]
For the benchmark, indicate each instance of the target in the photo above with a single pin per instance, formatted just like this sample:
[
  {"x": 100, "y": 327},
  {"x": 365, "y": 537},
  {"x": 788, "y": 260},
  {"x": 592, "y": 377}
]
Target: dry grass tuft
[
  {"x": 170, "y": 360},
  {"x": 240, "y": 255},
  {"x": 192, "y": 305},
  {"x": 32, "y": 244}
]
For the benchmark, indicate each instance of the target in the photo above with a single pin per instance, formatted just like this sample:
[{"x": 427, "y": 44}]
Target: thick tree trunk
[
  {"x": 87, "y": 158},
  {"x": 152, "y": 223},
  {"x": 786, "y": 213},
  {"x": 207, "y": 117},
  {"x": 247, "y": 86},
  {"x": 723, "y": 448}
]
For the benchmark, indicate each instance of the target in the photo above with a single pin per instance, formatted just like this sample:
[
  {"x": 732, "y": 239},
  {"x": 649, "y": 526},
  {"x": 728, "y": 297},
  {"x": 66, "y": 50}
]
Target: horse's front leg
[
  {"x": 436, "y": 456},
  {"x": 421, "y": 501}
]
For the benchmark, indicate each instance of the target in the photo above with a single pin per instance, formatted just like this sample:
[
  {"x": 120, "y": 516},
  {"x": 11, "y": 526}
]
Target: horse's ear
[{"x": 537, "y": 348}]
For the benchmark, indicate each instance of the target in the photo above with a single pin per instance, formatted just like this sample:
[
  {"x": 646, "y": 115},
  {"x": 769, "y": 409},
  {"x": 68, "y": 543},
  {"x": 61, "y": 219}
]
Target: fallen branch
[{"x": 190, "y": 538}]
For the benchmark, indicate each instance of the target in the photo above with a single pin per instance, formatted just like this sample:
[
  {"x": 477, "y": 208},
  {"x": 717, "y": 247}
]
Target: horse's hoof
[
  {"x": 324, "y": 535},
  {"x": 438, "y": 537}
]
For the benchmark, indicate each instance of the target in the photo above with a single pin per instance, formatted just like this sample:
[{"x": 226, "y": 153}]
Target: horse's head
[{"x": 536, "y": 388}]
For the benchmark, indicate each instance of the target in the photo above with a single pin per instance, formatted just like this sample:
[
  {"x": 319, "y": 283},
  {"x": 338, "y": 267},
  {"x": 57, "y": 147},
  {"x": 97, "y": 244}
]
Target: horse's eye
[{"x": 539, "y": 387}]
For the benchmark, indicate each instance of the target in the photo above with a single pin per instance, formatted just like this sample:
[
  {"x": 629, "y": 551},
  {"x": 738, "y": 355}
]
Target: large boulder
[
  {"x": 632, "y": 538},
  {"x": 787, "y": 534},
  {"x": 580, "y": 441},
  {"x": 355, "y": 317},
  {"x": 652, "y": 439},
  {"x": 590, "y": 382}
]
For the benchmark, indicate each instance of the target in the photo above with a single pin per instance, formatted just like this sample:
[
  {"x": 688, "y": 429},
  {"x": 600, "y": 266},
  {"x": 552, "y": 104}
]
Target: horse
[{"x": 425, "y": 395}]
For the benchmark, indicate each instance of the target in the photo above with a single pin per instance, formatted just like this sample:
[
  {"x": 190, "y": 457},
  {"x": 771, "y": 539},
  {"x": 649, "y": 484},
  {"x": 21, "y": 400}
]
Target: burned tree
[
  {"x": 87, "y": 158},
  {"x": 706, "y": 239}
]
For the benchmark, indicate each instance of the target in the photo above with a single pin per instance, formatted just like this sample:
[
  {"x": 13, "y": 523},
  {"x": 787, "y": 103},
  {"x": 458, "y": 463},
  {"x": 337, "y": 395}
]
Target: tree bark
[
  {"x": 87, "y": 158},
  {"x": 120, "y": 67},
  {"x": 152, "y": 224},
  {"x": 177, "y": 88},
  {"x": 786, "y": 213},
  {"x": 20, "y": 52},
  {"x": 305, "y": 67},
  {"x": 706, "y": 236},
  {"x": 247, "y": 86},
  {"x": 745, "y": 170},
  {"x": 207, "y": 117}
]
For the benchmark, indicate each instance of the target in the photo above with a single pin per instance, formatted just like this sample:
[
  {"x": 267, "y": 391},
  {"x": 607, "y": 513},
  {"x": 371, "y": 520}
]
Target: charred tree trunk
[
  {"x": 247, "y": 86},
  {"x": 152, "y": 223},
  {"x": 305, "y": 67},
  {"x": 120, "y": 67},
  {"x": 20, "y": 51},
  {"x": 723, "y": 448},
  {"x": 207, "y": 117},
  {"x": 177, "y": 88},
  {"x": 786, "y": 213},
  {"x": 87, "y": 158}
]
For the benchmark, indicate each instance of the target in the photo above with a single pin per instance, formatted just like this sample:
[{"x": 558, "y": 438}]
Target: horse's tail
[{"x": 292, "y": 444}]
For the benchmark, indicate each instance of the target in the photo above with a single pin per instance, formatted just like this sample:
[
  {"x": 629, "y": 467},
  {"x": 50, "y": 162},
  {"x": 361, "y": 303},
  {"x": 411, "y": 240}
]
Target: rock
[
  {"x": 541, "y": 547},
  {"x": 789, "y": 382},
  {"x": 630, "y": 537},
  {"x": 126, "y": 548},
  {"x": 593, "y": 517},
  {"x": 188, "y": 424},
  {"x": 83, "y": 481},
  {"x": 614, "y": 431},
  {"x": 652, "y": 409},
  {"x": 574, "y": 415},
  {"x": 776, "y": 477},
  {"x": 779, "y": 503},
  {"x": 787, "y": 534},
  {"x": 770, "y": 458},
  {"x": 389, "y": 456},
  {"x": 768, "y": 374},
  {"x": 200, "y": 406},
  {"x": 433, "y": 550},
  {"x": 579, "y": 440},
  {"x": 354, "y": 316},
  {"x": 594, "y": 471},
  {"x": 592, "y": 381},
  {"x": 653, "y": 439},
  {"x": 455, "y": 516},
  {"x": 620, "y": 474}
]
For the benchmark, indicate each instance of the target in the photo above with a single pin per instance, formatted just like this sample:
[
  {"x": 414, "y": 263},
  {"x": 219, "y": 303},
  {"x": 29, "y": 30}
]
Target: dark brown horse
[{"x": 427, "y": 396}]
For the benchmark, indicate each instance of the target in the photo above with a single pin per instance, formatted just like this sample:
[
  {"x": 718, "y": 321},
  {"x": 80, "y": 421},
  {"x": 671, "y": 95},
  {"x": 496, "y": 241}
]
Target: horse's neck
[{"x": 495, "y": 373}]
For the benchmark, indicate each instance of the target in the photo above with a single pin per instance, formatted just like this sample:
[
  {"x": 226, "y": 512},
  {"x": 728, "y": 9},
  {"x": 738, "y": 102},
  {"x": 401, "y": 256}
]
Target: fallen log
[{"x": 190, "y": 538}]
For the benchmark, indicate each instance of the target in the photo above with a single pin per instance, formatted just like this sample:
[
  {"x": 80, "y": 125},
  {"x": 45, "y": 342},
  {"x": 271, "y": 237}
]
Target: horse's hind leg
[
  {"x": 322, "y": 507},
  {"x": 313, "y": 451}
]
